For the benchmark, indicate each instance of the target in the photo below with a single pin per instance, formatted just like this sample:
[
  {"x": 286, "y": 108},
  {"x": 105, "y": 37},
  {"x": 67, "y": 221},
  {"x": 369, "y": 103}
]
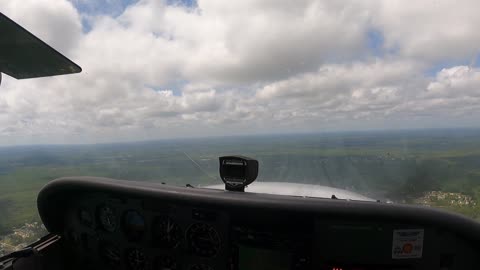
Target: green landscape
[{"x": 439, "y": 168}]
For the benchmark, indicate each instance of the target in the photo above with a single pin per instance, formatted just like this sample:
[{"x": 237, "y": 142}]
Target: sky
[{"x": 157, "y": 69}]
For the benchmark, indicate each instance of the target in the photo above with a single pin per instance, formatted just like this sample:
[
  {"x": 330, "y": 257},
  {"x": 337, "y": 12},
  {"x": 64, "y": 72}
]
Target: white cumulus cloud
[{"x": 156, "y": 70}]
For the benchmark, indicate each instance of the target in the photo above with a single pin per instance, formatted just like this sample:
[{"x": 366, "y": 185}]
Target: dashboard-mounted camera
[{"x": 237, "y": 172}]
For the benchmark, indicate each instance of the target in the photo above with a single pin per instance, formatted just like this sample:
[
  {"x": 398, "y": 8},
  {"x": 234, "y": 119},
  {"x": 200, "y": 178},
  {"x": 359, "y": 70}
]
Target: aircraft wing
[{"x": 23, "y": 55}]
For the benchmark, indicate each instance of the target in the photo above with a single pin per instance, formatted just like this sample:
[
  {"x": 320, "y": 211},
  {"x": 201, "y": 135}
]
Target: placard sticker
[{"x": 407, "y": 244}]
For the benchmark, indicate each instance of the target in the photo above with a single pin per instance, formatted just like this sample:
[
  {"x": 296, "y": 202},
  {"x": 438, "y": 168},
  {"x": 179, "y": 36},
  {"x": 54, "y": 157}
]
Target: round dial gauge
[
  {"x": 203, "y": 239},
  {"x": 86, "y": 218},
  {"x": 135, "y": 259},
  {"x": 166, "y": 263},
  {"x": 107, "y": 218},
  {"x": 110, "y": 254},
  {"x": 166, "y": 233},
  {"x": 133, "y": 225},
  {"x": 200, "y": 267}
]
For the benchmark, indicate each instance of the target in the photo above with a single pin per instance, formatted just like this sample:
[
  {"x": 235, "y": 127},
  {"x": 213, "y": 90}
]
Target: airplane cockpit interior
[{"x": 99, "y": 223}]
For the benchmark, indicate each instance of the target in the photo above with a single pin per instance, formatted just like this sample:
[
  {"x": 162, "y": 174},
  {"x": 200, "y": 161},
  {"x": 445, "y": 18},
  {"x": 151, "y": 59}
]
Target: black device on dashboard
[{"x": 238, "y": 171}]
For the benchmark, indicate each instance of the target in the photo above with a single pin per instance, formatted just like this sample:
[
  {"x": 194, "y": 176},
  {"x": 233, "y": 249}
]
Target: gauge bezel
[
  {"x": 102, "y": 248},
  {"x": 192, "y": 248},
  {"x": 158, "y": 265},
  {"x": 99, "y": 218},
  {"x": 82, "y": 220},
  {"x": 127, "y": 260},
  {"x": 129, "y": 233},
  {"x": 201, "y": 265},
  {"x": 155, "y": 237}
]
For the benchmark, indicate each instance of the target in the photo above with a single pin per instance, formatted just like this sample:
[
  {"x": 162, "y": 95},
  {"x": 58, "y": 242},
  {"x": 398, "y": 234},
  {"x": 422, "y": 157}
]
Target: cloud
[
  {"x": 250, "y": 41},
  {"x": 56, "y": 22},
  {"x": 353, "y": 90},
  {"x": 430, "y": 30},
  {"x": 156, "y": 70},
  {"x": 455, "y": 82}
]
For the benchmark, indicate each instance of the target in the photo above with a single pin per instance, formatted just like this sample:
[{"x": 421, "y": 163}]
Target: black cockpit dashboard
[{"x": 111, "y": 224}]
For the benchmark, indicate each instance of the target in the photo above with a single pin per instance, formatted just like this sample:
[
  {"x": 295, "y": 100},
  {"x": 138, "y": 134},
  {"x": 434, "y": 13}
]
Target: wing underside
[{"x": 23, "y": 55}]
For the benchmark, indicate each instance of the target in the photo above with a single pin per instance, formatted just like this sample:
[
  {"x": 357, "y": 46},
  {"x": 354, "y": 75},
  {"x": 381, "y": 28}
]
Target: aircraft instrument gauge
[
  {"x": 86, "y": 218},
  {"x": 200, "y": 267},
  {"x": 133, "y": 225},
  {"x": 166, "y": 233},
  {"x": 166, "y": 263},
  {"x": 110, "y": 254},
  {"x": 136, "y": 259},
  {"x": 203, "y": 240},
  {"x": 107, "y": 218}
]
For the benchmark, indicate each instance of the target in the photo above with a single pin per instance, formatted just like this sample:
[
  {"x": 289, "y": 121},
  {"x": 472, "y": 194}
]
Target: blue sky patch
[
  {"x": 175, "y": 86},
  {"x": 102, "y": 7},
  {"x": 375, "y": 41},
  {"x": 437, "y": 67},
  {"x": 186, "y": 3},
  {"x": 114, "y": 8}
]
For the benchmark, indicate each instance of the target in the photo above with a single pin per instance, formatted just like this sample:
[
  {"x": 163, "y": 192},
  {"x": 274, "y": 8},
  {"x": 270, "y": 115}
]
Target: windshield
[{"x": 379, "y": 99}]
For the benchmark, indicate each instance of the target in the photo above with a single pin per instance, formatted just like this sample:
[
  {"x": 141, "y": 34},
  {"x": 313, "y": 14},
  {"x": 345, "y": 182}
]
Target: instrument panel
[
  {"x": 131, "y": 234},
  {"x": 113, "y": 226}
]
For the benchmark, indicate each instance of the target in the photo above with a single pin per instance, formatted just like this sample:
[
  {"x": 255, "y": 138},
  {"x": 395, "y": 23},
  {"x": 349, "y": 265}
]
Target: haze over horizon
[{"x": 167, "y": 69}]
